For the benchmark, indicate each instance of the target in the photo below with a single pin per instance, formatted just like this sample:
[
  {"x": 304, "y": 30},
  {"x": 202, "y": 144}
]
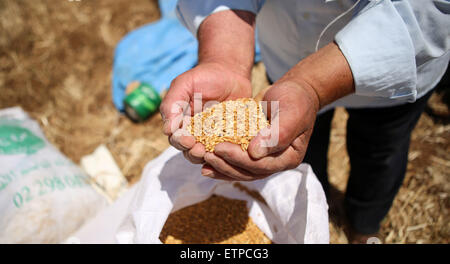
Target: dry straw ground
[{"x": 55, "y": 62}]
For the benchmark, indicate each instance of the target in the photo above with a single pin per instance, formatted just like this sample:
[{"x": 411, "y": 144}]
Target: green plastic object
[{"x": 141, "y": 103}]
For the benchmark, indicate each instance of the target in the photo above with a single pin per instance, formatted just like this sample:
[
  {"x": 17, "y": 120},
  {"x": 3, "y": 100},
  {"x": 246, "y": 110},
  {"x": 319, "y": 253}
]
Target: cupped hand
[
  {"x": 211, "y": 81},
  {"x": 280, "y": 147}
]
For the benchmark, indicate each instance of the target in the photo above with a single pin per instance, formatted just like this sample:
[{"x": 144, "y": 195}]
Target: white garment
[
  {"x": 296, "y": 209},
  {"x": 397, "y": 50}
]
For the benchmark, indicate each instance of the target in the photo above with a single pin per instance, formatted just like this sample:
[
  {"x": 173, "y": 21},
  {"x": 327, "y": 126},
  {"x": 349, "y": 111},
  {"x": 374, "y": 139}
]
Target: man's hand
[
  {"x": 280, "y": 147},
  {"x": 215, "y": 83},
  {"x": 314, "y": 82},
  {"x": 226, "y": 54}
]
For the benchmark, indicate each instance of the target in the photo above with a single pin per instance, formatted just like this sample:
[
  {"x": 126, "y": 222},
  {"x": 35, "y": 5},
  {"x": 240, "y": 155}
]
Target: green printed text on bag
[{"x": 18, "y": 140}]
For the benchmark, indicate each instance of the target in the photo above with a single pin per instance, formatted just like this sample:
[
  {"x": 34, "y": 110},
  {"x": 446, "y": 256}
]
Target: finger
[
  {"x": 175, "y": 105},
  {"x": 226, "y": 169},
  {"x": 182, "y": 140},
  {"x": 198, "y": 151},
  {"x": 176, "y": 118},
  {"x": 195, "y": 154},
  {"x": 261, "y": 94},
  {"x": 186, "y": 156},
  {"x": 210, "y": 172},
  {"x": 272, "y": 139},
  {"x": 232, "y": 154},
  {"x": 300, "y": 144},
  {"x": 287, "y": 121}
]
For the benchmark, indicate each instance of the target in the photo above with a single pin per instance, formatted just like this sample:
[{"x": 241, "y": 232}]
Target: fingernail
[
  {"x": 207, "y": 173},
  {"x": 206, "y": 157},
  {"x": 259, "y": 152},
  {"x": 218, "y": 149},
  {"x": 186, "y": 142}
]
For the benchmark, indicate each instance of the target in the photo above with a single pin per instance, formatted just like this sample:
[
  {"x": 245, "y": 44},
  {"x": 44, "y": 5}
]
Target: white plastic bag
[
  {"x": 44, "y": 197},
  {"x": 296, "y": 210}
]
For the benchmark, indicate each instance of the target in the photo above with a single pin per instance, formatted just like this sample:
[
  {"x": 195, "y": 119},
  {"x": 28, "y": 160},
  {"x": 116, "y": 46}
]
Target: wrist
[
  {"x": 305, "y": 88},
  {"x": 227, "y": 38},
  {"x": 226, "y": 65},
  {"x": 326, "y": 73}
]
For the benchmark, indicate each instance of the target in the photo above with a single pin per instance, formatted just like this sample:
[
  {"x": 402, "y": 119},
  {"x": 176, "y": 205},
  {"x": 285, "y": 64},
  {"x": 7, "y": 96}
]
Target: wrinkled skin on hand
[
  {"x": 273, "y": 150},
  {"x": 215, "y": 83}
]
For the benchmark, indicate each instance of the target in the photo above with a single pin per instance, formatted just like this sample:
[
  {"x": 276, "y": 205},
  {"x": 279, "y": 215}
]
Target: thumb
[
  {"x": 285, "y": 126},
  {"x": 272, "y": 139},
  {"x": 262, "y": 93},
  {"x": 174, "y": 106}
]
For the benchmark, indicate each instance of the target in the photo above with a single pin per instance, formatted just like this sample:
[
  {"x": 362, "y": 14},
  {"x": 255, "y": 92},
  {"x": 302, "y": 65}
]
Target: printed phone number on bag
[{"x": 45, "y": 186}]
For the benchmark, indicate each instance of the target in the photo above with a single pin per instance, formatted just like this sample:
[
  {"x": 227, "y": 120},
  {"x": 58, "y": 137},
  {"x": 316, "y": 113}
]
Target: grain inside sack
[
  {"x": 235, "y": 121},
  {"x": 217, "y": 220}
]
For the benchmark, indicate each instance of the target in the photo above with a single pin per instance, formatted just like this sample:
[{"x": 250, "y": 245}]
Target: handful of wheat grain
[{"x": 235, "y": 121}]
